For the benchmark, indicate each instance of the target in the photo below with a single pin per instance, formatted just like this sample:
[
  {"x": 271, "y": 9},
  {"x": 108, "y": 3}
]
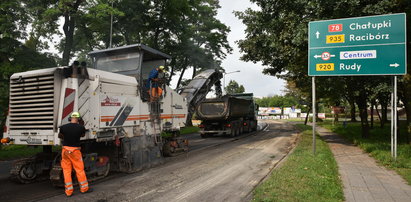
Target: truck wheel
[
  {"x": 233, "y": 132},
  {"x": 248, "y": 127}
]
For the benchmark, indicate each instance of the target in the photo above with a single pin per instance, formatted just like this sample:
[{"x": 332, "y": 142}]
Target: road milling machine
[{"x": 124, "y": 125}]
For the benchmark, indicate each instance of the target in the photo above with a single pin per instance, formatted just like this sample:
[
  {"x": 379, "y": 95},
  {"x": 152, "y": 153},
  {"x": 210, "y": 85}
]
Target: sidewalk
[{"x": 362, "y": 177}]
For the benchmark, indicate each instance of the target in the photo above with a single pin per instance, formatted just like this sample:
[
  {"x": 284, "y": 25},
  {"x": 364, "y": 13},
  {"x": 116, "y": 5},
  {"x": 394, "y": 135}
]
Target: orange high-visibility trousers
[
  {"x": 71, "y": 158},
  {"x": 155, "y": 92}
]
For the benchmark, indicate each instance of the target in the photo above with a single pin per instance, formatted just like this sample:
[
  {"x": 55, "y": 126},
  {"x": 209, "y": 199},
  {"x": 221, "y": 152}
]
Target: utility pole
[{"x": 111, "y": 26}]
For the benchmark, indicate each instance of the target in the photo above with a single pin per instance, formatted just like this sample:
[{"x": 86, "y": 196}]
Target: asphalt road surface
[{"x": 215, "y": 169}]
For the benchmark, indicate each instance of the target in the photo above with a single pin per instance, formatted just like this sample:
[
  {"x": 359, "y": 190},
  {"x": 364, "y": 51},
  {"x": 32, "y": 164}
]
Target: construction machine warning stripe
[
  {"x": 68, "y": 104},
  {"x": 128, "y": 119},
  {"x": 142, "y": 117},
  {"x": 170, "y": 116},
  {"x": 128, "y": 116}
]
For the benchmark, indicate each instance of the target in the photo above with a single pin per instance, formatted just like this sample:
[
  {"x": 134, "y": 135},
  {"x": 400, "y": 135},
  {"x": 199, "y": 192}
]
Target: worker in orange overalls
[
  {"x": 153, "y": 83},
  {"x": 71, "y": 154}
]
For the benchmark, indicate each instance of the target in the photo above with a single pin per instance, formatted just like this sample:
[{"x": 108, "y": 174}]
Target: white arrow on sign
[
  {"x": 318, "y": 56},
  {"x": 317, "y": 34},
  {"x": 394, "y": 65}
]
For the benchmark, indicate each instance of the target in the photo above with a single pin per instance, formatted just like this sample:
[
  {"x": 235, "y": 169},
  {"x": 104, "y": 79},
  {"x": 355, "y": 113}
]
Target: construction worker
[
  {"x": 152, "y": 84},
  {"x": 71, "y": 155}
]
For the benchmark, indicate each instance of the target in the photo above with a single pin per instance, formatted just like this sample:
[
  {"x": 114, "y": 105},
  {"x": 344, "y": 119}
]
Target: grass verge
[
  {"x": 10, "y": 152},
  {"x": 379, "y": 145},
  {"x": 189, "y": 129},
  {"x": 303, "y": 176}
]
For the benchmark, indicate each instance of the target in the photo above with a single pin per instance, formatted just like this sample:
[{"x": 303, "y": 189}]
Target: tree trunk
[
  {"x": 181, "y": 77},
  {"x": 352, "y": 110},
  {"x": 362, "y": 105},
  {"x": 384, "y": 112},
  {"x": 184, "y": 67},
  {"x": 372, "y": 113},
  {"x": 159, "y": 26},
  {"x": 335, "y": 117},
  {"x": 171, "y": 75},
  {"x": 194, "y": 71},
  {"x": 316, "y": 113},
  {"x": 68, "y": 28},
  {"x": 308, "y": 114},
  {"x": 379, "y": 117},
  {"x": 407, "y": 105},
  {"x": 69, "y": 14}
]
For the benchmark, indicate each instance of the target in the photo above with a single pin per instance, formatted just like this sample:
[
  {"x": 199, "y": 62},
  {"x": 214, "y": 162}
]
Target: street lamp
[{"x": 224, "y": 77}]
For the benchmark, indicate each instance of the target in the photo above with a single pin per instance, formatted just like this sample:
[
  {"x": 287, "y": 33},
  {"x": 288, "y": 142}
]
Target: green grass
[
  {"x": 189, "y": 129},
  {"x": 303, "y": 176},
  {"x": 379, "y": 145},
  {"x": 11, "y": 152}
]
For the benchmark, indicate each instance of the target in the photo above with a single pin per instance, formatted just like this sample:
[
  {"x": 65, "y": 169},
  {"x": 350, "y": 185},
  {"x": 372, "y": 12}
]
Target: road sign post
[
  {"x": 373, "y": 45},
  {"x": 314, "y": 114}
]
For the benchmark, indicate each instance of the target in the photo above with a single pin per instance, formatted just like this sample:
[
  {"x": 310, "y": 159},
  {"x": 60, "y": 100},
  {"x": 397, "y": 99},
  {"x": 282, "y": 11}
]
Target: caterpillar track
[
  {"x": 40, "y": 168},
  {"x": 32, "y": 169}
]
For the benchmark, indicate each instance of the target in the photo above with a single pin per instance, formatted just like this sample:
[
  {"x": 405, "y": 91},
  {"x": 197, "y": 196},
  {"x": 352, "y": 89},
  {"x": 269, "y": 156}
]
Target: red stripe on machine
[
  {"x": 68, "y": 109},
  {"x": 68, "y": 102}
]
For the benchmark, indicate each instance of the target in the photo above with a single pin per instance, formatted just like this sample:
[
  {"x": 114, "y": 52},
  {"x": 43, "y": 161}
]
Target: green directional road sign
[{"x": 374, "y": 45}]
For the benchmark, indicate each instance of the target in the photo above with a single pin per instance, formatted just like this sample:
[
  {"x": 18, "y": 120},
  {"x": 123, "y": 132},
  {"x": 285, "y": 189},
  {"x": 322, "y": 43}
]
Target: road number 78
[{"x": 335, "y": 28}]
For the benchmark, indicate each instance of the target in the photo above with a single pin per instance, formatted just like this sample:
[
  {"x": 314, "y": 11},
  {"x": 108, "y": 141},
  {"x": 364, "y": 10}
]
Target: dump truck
[
  {"x": 229, "y": 115},
  {"x": 125, "y": 126}
]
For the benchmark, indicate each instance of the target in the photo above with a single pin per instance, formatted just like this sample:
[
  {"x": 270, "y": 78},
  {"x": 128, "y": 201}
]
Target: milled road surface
[{"x": 216, "y": 169}]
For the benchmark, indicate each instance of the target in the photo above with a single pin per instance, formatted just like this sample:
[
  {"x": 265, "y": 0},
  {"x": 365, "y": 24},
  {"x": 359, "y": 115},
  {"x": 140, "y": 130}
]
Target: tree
[
  {"x": 276, "y": 36},
  {"x": 278, "y": 101},
  {"x": 186, "y": 30},
  {"x": 14, "y": 55},
  {"x": 46, "y": 16},
  {"x": 233, "y": 87}
]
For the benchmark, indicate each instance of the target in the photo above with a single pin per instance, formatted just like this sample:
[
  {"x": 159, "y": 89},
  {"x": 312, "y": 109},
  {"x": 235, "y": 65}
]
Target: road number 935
[{"x": 336, "y": 38}]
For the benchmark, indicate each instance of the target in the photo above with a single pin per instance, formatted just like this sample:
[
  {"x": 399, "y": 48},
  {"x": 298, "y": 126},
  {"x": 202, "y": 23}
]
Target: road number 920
[{"x": 324, "y": 67}]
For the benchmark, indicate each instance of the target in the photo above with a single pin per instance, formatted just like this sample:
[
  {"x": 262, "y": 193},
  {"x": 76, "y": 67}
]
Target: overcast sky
[{"x": 250, "y": 74}]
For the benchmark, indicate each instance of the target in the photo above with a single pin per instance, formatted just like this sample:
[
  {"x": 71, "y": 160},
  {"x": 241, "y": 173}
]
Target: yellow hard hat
[
  {"x": 162, "y": 68},
  {"x": 75, "y": 115}
]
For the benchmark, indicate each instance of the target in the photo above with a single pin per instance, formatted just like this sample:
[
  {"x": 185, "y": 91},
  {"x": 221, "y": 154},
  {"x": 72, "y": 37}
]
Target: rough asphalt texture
[
  {"x": 363, "y": 178},
  {"x": 5, "y": 167},
  {"x": 225, "y": 172}
]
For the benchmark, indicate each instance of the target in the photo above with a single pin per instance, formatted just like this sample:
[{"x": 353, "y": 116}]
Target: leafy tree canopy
[{"x": 233, "y": 87}]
